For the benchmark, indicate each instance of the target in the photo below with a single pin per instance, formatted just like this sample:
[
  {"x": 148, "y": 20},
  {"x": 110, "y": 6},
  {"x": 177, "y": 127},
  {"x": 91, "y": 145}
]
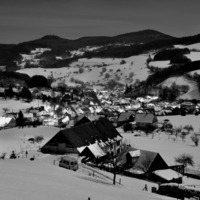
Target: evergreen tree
[
  {"x": 20, "y": 119},
  {"x": 26, "y": 94}
]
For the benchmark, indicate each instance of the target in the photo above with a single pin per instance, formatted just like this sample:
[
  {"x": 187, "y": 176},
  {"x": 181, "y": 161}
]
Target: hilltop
[
  {"x": 60, "y": 46},
  {"x": 143, "y": 59}
]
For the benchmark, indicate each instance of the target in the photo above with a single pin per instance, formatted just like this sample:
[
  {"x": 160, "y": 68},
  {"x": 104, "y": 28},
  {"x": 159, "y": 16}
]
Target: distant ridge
[
  {"x": 146, "y": 35},
  {"x": 54, "y": 41},
  {"x": 123, "y": 45}
]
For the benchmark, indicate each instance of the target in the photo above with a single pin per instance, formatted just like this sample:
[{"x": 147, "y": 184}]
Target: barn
[{"x": 76, "y": 139}]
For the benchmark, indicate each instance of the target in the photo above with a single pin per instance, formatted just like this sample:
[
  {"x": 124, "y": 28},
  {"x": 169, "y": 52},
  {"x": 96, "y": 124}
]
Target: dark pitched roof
[
  {"x": 145, "y": 118},
  {"x": 124, "y": 116},
  {"x": 82, "y": 119},
  {"x": 86, "y": 134},
  {"x": 106, "y": 129},
  {"x": 82, "y": 135},
  {"x": 149, "y": 161}
]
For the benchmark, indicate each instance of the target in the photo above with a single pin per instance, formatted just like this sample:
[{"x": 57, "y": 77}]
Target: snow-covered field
[
  {"x": 160, "y": 64},
  {"x": 24, "y": 179},
  {"x": 193, "y": 56},
  {"x": 41, "y": 179},
  {"x": 195, "y": 46},
  {"x": 179, "y": 80},
  {"x": 164, "y": 144},
  {"x": 93, "y": 70},
  {"x": 194, "y": 51},
  {"x": 14, "y": 105}
]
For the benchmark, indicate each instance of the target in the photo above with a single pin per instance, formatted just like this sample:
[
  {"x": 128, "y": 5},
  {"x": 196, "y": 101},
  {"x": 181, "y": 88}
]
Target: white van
[{"x": 69, "y": 163}]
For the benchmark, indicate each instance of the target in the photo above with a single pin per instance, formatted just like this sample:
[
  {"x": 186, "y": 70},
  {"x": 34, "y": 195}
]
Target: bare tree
[
  {"x": 177, "y": 131},
  {"x": 195, "y": 139},
  {"x": 39, "y": 139},
  {"x": 107, "y": 76},
  {"x": 117, "y": 162},
  {"x": 185, "y": 159},
  {"x": 183, "y": 135},
  {"x": 189, "y": 128}
]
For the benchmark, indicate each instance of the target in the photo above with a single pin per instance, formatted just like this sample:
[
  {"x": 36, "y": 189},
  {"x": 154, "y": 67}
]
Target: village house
[
  {"x": 144, "y": 162},
  {"x": 146, "y": 120},
  {"x": 151, "y": 165},
  {"x": 125, "y": 117},
  {"x": 101, "y": 134}
]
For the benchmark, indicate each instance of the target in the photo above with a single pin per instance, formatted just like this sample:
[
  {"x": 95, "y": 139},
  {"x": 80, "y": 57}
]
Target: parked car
[{"x": 69, "y": 163}]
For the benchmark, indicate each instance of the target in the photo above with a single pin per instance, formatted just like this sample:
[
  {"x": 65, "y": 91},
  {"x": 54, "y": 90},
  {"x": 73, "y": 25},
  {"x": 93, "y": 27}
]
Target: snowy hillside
[
  {"x": 32, "y": 58},
  {"x": 194, "y": 51},
  {"x": 40, "y": 179},
  {"x": 93, "y": 70},
  {"x": 23, "y": 179}
]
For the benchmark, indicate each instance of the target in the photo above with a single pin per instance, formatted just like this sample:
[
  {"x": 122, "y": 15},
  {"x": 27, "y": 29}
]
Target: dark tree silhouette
[
  {"x": 9, "y": 92},
  {"x": 185, "y": 159},
  {"x": 20, "y": 119},
  {"x": 26, "y": 94},
  {"x": 118, "y": 162},
  {"x": 38, "y": 81}
]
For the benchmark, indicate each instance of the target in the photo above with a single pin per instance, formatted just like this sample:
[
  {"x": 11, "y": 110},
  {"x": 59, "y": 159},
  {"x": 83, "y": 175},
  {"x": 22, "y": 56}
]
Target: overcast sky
[{"x": 24, "y": 20}]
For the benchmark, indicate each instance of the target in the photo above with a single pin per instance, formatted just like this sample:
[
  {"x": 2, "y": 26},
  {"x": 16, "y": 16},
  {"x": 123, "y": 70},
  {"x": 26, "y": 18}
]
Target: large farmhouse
[{"x": 100, "y": 137}]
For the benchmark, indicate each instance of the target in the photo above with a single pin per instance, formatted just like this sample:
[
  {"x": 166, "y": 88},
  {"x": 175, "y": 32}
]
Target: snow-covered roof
[
  {"x": 28, "y": 115},
  {"x": 96, "y": 150},
  {"x": 4, "y": 121},
  {"x": 135, "y": 153},
  {"x": 65, "y": 119},
  {"x": 167, "y": 174}
]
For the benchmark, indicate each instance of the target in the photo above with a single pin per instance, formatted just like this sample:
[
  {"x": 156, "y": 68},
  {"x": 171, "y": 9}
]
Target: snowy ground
[
  {"x": 195, "y": 46},
  {"x": 34, "y": 180},
  {"x": 24, "y": 179},
  {"x": 160, "y": 64},
  {"x": 14, "y": 105},
  {"x": 41, "y": 179}
]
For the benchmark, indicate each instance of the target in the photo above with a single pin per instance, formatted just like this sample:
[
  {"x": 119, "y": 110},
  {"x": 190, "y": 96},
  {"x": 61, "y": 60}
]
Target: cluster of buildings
[{"x": 88, "y": 128}]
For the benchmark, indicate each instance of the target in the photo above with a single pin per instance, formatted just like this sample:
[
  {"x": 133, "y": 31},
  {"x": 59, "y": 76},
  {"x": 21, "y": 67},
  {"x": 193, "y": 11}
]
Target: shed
[{"x": 145, "y": 162}]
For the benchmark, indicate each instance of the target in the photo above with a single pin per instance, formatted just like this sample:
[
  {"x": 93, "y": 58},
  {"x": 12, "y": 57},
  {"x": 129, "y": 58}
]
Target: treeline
[
  {"x": 14, "y": 77},
  {"x": 136, "y": 49},
  {"x": 24, "y": 93},
  {"x": 169, "y": 54},
  {"x": 127, "y": 51},
  {"x": 160, "y": 75}
]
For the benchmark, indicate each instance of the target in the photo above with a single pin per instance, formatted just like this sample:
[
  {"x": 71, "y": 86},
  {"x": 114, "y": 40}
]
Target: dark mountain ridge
[
  {"x": 123, "y": 45},
  {"x": 134, "y": 37}
]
